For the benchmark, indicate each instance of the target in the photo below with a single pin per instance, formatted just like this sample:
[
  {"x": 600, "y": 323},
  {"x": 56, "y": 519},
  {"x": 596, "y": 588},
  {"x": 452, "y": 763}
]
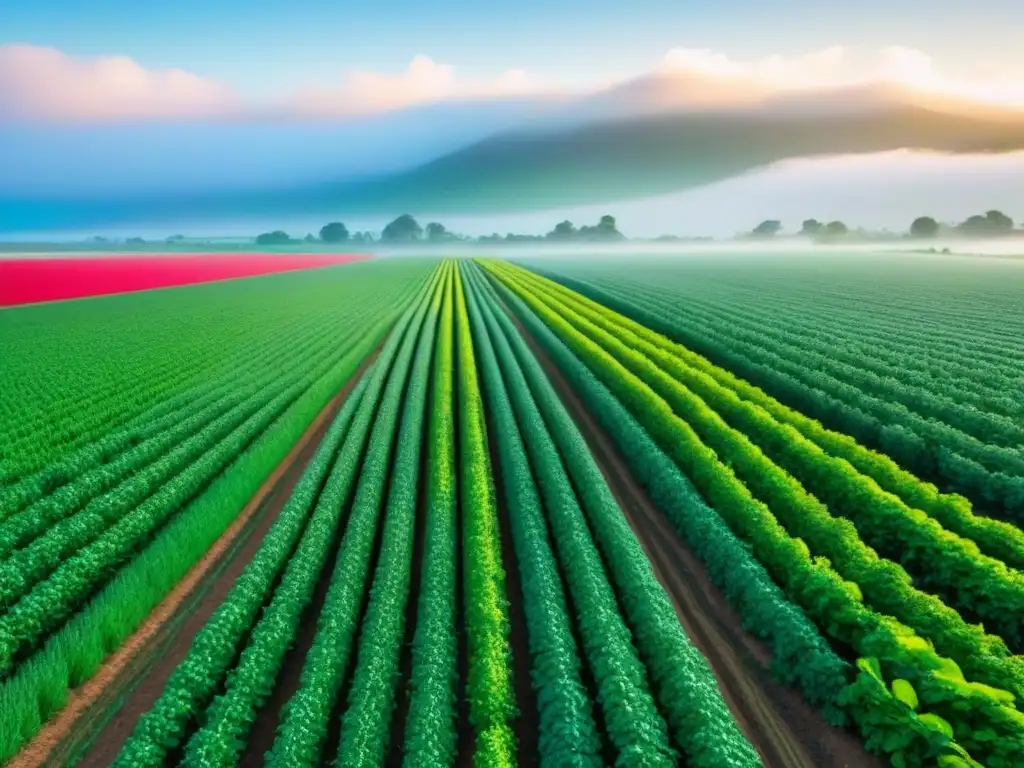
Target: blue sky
[
  {"x": 119, "y": 97},
  {"x": 263, "y": 47}
]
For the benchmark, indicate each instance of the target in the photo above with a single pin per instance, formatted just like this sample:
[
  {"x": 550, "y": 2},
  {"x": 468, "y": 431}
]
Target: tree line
[
  {"x": 406, "y": 229},
  {"x": 992, "y": 223}
]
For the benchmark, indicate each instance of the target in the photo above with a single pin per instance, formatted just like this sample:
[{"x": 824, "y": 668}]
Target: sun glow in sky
[{"x": 72, "y": 59}]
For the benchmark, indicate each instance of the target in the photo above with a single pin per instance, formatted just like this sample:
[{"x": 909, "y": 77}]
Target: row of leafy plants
[
  {"x": 981, "y": 718},
  {"x": 633, "y": 724},
  {"x": 255, "y": 624},
  {"x": 492, "y": 704},
  {"x": 989, "y": 474},
  {"x": 581, "y": 505},
  {"x": 71, "y": 481},
  {"x": 977, "y": 407},
  {"x": 951, "y": 566},
  {"x": 228, "y": 720},
  {"x": 41, "y": 682},
  {"x": 567, "y": 732},
  {"x": 430, "y": 736},
  {"x": 133, "y": 353},
  {"x": 1001, "y": 540}
]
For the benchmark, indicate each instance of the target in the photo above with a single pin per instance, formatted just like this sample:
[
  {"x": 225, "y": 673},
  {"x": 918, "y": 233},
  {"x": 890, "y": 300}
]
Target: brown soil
[
  {"x": 103, "y": 712},
  {"x": 786, "y": 731}
]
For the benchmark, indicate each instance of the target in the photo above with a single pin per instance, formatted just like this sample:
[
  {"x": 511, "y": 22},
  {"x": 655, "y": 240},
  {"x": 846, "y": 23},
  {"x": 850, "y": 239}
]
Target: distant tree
[
  {"x": 999, "y": 221},
  {"x": 277, "y": 237},
  {"x": 607, "y": 228},
  {"x": 335, "y": 232},
  {"x": 309, "y": 238},
  {"x": 924, "y": 226},
  {"x": 604, "y": 231},
  {"x": 403, "y": 229},
  {"x": 835, "y": 229},
  {"x": 564, "y": 230},
  {"x": 811, "y": 227},
  {"x": 992, "y": 223},
  {"x": 768, "y": 228},
  {"x": 135, "y": 241},
  {"x": 437, "y": 233},
  {"x": 975, "y": 224},
  {"x": 175, "y": 238}
]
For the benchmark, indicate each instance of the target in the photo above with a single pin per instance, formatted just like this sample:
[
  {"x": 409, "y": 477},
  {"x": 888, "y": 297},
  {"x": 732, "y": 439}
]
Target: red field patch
[{"x": 27, "y": 281}]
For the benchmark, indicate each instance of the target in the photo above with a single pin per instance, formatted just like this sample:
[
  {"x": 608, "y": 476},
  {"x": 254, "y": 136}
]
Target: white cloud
[
  {"x": 44, "y": 83},
  {"x": 423, "y": 80},
  {"x": 988, "y": 82},
  {"x": 816, "y": 68},
  {"x": 838, "y": 66},
  {"x": 39, "y": 83}
]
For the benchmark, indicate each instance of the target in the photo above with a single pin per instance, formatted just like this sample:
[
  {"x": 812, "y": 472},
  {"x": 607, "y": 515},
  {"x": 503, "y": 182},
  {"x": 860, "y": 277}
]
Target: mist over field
[{"x": 877, "y": 192}]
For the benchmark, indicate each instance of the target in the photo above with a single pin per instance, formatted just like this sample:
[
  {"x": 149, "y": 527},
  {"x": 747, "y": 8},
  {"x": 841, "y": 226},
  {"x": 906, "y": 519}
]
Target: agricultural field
[{"x": 571, "y": 512}]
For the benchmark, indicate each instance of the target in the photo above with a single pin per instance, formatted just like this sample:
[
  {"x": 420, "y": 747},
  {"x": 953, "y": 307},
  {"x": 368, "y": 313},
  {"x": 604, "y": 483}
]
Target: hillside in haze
[
  {"x": 626, "y": 159},
  {"x": 651, "y": 136}
]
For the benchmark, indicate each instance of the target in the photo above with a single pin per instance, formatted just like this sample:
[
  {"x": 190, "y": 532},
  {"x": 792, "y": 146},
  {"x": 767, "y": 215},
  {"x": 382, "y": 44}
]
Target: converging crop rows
[{"x": 435, "y": 513}]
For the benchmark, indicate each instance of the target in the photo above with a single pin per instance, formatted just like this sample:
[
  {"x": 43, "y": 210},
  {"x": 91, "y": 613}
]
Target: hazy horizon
[{"x": 876, "y": 192}]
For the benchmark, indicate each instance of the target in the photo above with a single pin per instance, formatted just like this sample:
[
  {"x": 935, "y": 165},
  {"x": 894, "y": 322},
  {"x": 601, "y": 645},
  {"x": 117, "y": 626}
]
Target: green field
[{"x": 705, "y": 510}]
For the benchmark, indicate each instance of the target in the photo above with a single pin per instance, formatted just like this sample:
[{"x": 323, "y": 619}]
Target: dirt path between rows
[
  {"x": 103, "y": 712},
  {"x": 786, "y": 731}
]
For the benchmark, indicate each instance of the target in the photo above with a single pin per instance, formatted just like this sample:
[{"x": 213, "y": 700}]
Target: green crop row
[
  {"x": 685, "y": 687},
  {"x": 634, "y": 726},
  {"x": 229, "y": 718},
  {"x": 132, "y": 352},
  {"x": 330, "y": 474},
  {"x": 72, "y": 655},
  {"x": 74, "y": 479},
  {"x": 492, "y": 704},
  {"x": 567, "y": 732},
  {"x": 800, "y": 654},
  {"x": 949, "y": 565},
  {"x": 982, "y": 718},
  {"x": 926, "y": 356},
  {"x": 160, "y": 488},
  {"x": 430, "y": 736},
  {"x": 142, "y": 464},
  {"x": 306, "y": 716},
  {"x": 366, "y": 725},
  {"x": 990, "y": 474},
  {"x": 885, "y": 585},
  {"x": 998, "y": 539}
]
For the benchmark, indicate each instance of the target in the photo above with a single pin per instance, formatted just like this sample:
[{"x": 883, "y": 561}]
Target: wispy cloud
[
  {"x": 838, "y": 66},
  {"x": 39, "y": 83},
  {"x": 423, "y": 80},
  {"x": 45, "y": 84}
]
